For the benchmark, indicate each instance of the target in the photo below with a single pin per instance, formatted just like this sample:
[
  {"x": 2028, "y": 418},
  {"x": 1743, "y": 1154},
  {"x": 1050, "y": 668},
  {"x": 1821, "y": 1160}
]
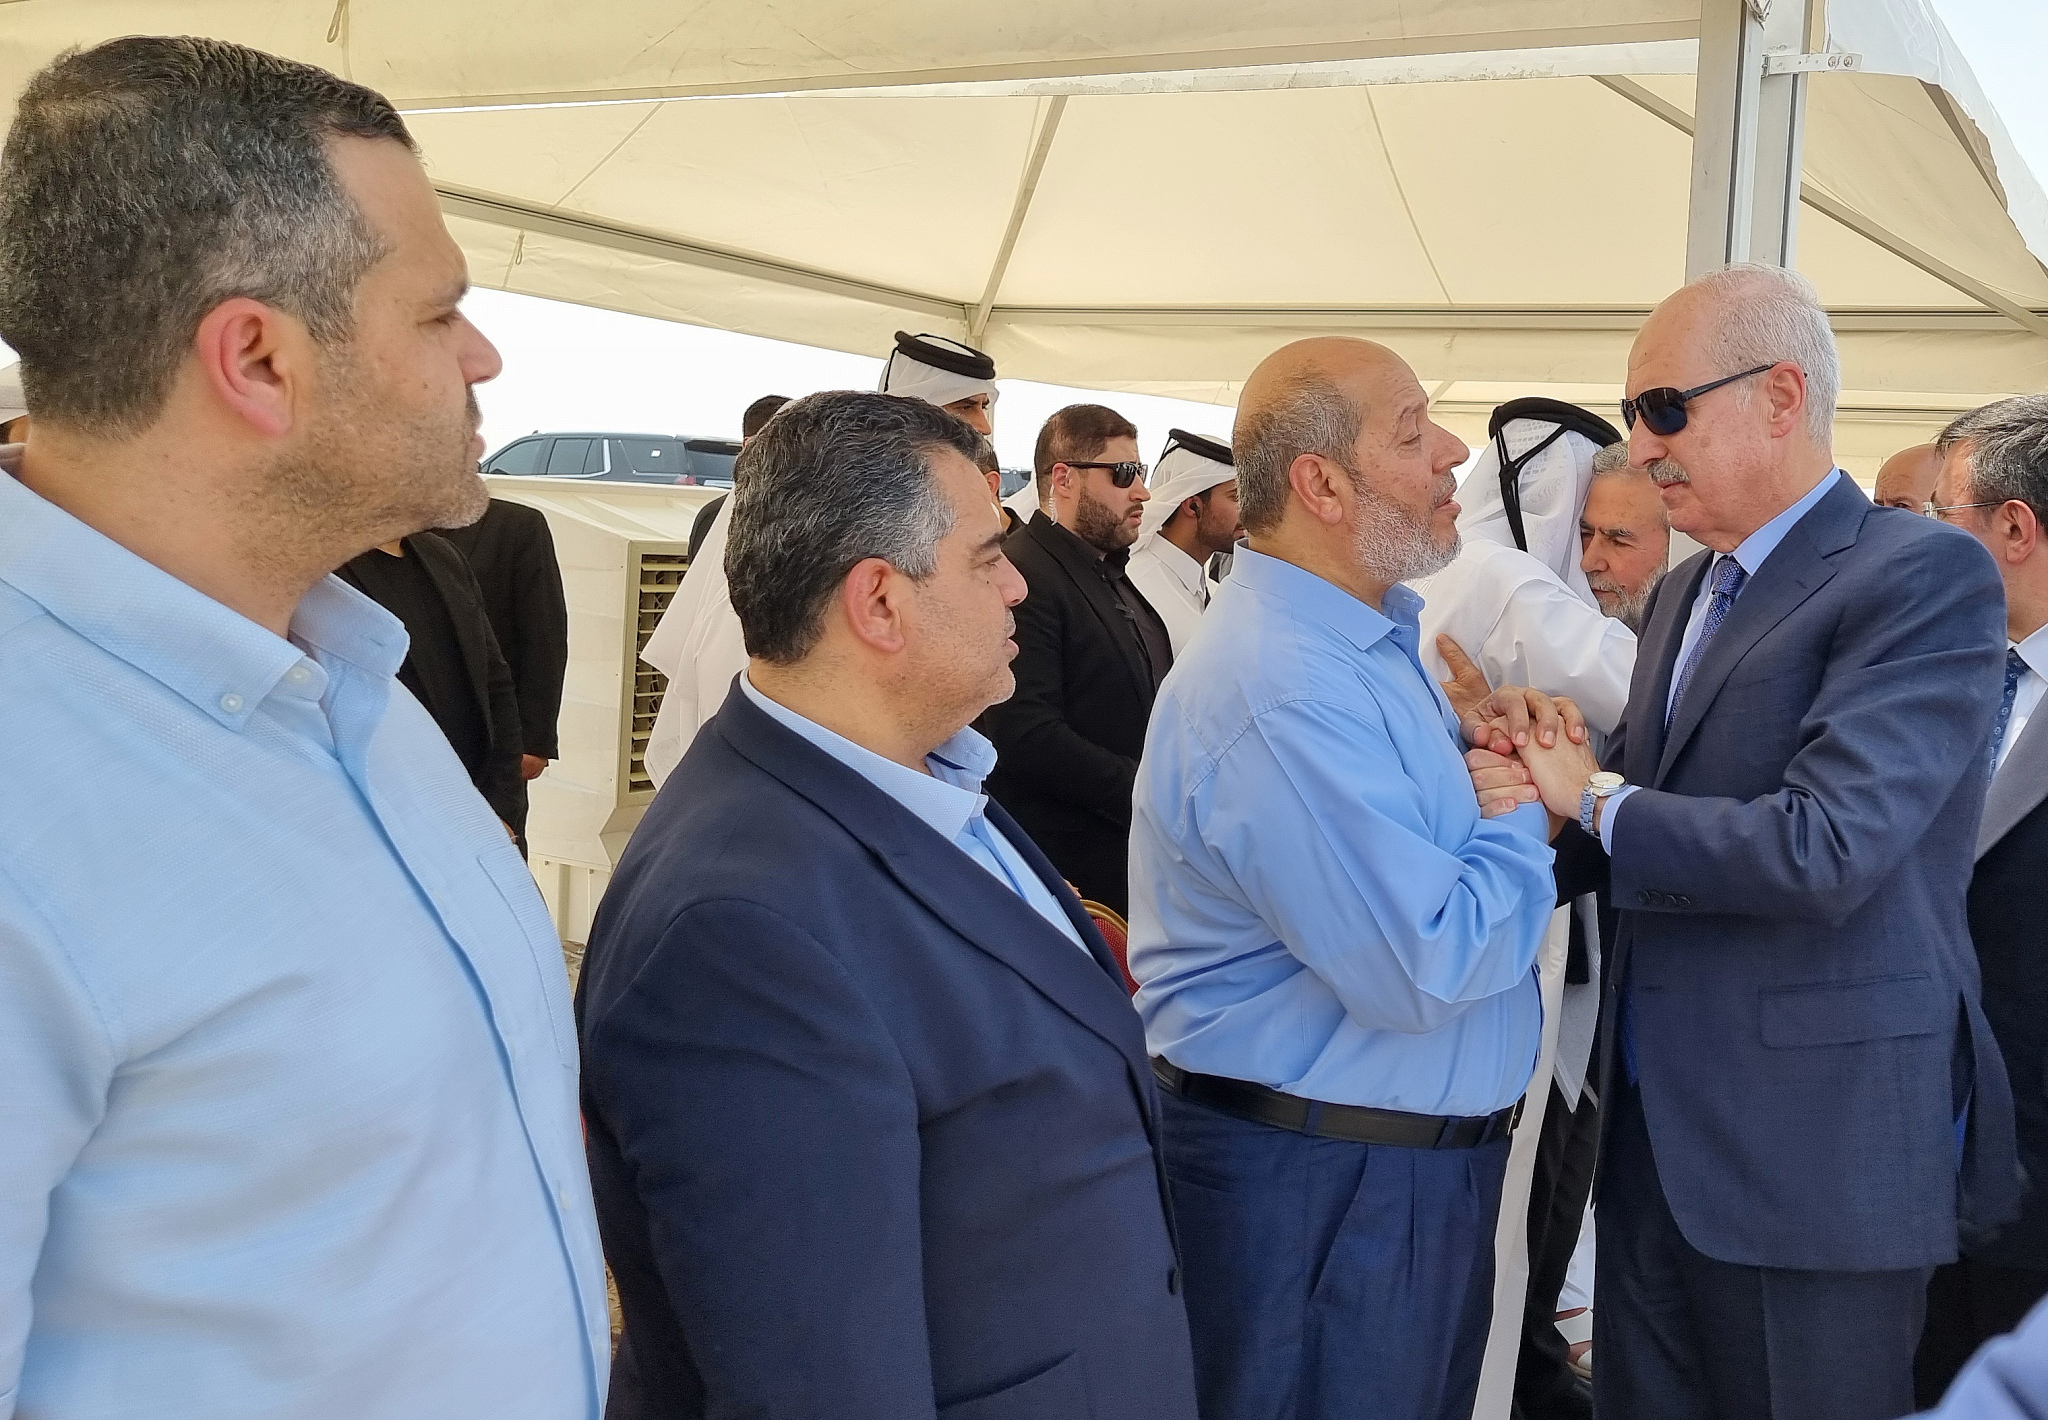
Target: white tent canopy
[{"x": 1152, "y": 195}]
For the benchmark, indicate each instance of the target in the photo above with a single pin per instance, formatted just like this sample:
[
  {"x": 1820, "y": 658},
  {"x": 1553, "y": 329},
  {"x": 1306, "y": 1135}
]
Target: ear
[
  {"x": 871, "y": 601},
  {"x": 2018, "y": 530},
  {"x": 255, "y": 361},
  {"x": 1314, "y": 480},
  {"x": 1784, "y": 397}
]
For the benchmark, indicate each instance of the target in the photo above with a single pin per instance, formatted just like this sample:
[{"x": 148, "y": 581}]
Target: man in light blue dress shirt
[
  {"x": 1336, "y": 953},
  {"x": 289, "y": 1127}
]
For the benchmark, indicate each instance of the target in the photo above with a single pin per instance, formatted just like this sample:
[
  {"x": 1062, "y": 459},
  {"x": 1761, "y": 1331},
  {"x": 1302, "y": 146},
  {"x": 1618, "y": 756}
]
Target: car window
[
  {"x": 522, "y": 457},
  {"x": 711, "y": 460},
  {"x": 570, "y": 457},
  {"x": 649, "y": 458}
]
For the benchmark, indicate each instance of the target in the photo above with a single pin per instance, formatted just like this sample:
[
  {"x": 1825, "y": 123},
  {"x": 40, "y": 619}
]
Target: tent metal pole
[{"x": 1749, "y": 129}]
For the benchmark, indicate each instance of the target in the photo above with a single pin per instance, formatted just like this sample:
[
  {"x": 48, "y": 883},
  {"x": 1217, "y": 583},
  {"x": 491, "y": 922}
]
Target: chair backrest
[{"x": 1117, "y": 933}]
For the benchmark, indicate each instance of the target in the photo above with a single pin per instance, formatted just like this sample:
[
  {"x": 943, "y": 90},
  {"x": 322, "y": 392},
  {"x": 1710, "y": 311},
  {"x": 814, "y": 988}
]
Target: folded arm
[
  {"x": 57, "y": 1060},
  {"x": 1322, "y": 826}
]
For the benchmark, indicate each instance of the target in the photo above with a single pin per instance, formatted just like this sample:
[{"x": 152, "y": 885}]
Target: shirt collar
[
  {"x": 1313, "y": 599},
  {"x": 945, "y": 799},
  {"x": 218, "y": 659},
  {"x": 1185, "y": 569},
  {"x": 1753, "y": 551},
  {"x": 2034, "y": 651}
]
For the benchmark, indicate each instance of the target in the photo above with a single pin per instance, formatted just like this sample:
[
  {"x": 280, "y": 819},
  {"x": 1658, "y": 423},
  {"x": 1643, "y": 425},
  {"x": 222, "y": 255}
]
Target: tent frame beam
[
  {"x": 2034, "y": 322},
  {"x": 501, "y": 211},
  {"x": 1027, "y": 188}
]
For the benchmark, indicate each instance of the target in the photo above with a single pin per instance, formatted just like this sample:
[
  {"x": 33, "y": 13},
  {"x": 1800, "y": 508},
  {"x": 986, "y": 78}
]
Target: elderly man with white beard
[{"x": 1335, "y": 952}]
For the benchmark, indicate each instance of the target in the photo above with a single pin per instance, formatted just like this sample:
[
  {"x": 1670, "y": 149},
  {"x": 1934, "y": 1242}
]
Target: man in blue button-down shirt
[
  {"x": 288, "y": 1124},
  {"x": 1336, "y": 952}
]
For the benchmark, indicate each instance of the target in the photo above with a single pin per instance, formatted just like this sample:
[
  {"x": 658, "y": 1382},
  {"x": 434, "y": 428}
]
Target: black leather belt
[{"x": 1361, "y": 1124}]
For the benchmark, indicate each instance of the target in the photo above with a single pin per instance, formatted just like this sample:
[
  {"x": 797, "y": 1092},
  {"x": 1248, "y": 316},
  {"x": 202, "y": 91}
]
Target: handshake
[{"x": 1528, "y": 747}]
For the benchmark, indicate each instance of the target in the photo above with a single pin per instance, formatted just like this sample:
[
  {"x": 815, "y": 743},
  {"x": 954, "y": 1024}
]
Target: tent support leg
[{"x": 1750, "y": 128}]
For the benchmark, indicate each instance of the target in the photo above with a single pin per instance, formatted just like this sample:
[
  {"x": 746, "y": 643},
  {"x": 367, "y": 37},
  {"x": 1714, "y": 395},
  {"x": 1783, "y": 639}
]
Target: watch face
[{"x": 1604, "y": 783}]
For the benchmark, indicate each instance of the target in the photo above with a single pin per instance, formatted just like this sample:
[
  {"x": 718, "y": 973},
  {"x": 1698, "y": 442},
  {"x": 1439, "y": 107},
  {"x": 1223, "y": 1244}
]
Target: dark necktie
[
  {"x": 2014, "y": 669},
  {"x": 1728, "y": 580}
]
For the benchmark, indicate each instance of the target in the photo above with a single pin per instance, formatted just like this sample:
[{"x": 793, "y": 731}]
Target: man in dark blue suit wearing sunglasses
[{"x": 1805, "y": 1107}]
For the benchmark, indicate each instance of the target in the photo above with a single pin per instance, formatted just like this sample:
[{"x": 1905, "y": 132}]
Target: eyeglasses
[
  {"x": 1935, "y": 510},
  {"x": 1123, "y": 475},
  {"x": 1664, "y": 409}
]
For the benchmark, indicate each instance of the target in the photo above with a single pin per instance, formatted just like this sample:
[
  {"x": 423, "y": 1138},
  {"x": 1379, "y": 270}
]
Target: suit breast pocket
[
  {"x": 1060, "y": 1392},
  {"x": 1849, "y": 1012}
]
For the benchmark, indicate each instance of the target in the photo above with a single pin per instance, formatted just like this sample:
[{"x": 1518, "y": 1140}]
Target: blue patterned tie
[
  {"x": 1728, "y": 580},
  {"x": 2014, "y": 669}
]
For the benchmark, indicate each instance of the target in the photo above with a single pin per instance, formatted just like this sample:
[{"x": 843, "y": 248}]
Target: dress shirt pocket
[
  {"x": 1849, "y": 1012},
  {"x": 514, "y": 881},
  {"x": 1061, "y": 1389}
]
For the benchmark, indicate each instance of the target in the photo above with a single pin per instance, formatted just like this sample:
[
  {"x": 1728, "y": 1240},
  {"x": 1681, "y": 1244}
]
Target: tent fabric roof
[{"x": 1152, "y": 195}]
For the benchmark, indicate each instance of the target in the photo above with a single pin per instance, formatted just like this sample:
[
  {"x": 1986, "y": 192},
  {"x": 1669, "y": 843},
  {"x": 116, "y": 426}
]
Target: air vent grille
[{"x": 657, "y": 577}]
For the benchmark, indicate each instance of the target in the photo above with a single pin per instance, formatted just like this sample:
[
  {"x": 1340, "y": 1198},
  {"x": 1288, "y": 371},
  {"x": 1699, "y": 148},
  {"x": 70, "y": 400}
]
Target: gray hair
[
  {"x": 2008, "y": 451},
  {"x": 1612, "y": 459},
  {"x": 832, "y": 480},
  {"x": 147, "y": 180},
  {"x": 1312, "y": 417},
  {"x": 1764, "y": 314}
]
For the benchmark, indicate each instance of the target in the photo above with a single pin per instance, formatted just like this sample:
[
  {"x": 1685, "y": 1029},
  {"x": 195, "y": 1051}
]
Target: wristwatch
[{"x": 1598, "y": 787}]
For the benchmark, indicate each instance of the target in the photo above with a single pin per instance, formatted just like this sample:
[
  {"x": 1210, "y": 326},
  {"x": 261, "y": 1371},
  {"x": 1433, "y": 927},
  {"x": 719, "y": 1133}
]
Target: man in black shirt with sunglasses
[{"x": 1091, "y": 652}]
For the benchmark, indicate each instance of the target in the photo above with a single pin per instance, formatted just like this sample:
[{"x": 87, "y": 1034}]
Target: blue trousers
[
  {"x": 1678, "y": 1335},
  {"x": 1326, "y": 1280}
]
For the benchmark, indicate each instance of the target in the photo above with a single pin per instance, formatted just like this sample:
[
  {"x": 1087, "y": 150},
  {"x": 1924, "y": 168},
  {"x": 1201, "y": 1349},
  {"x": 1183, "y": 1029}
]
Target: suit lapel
[
  {"x": 1657, "y": 662},
  {"x": 1795, "y": 570},
  {"x": 956, "y": 889},
  {"x": 2020, "y": 784},
  {"x": 1083, "y": 571}
]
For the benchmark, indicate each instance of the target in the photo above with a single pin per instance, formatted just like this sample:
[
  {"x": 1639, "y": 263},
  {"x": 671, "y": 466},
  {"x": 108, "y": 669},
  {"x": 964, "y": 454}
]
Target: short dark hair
[
  {"x": 760, "y": 412},
  {"x": 2008, "y": 451},
  {"x": 147, "y": 180},
  {"x": 835, "y": 479},
  {"x": 985, "y": 458},
  {"x": 1080, "y": 431}
]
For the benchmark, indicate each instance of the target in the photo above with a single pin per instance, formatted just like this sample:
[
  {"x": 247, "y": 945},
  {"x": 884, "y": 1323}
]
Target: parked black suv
[{"x": 619, "y": 458}]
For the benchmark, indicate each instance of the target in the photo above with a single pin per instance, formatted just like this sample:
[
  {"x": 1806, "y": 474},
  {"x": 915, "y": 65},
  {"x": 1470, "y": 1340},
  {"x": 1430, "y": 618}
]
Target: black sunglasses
[
  {"x": 1123, "y": 475},
  {"x": 1664, "y": 409}
]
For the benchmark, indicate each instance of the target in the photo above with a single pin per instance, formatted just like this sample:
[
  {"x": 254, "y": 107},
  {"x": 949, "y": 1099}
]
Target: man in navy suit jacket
[
  {"x": 1805, "y": 1105},
  {"x": 871, "y": 1126}
]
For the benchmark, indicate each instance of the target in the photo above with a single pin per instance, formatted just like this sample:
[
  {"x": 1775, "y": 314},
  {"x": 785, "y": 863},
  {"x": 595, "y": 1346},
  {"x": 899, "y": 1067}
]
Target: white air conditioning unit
[{"x": 623, "y": 549}]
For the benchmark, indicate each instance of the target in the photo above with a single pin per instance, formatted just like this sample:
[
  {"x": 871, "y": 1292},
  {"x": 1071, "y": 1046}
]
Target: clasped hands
[{"x": 1528, "y": 746}]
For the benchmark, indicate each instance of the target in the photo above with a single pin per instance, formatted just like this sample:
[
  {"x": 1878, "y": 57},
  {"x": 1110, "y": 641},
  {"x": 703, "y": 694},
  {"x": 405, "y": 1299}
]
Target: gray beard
[{"x": 1392, "y": 545}]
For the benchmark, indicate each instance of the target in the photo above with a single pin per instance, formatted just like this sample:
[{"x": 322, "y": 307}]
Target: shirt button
[
  {"x": 562, "y": 1197},
  {"x": 298, "y": 675},
  {"x": 232, "y": 703}
]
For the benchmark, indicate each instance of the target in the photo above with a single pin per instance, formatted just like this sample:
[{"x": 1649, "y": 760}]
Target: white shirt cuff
[{"x": 1607, "y": 815}]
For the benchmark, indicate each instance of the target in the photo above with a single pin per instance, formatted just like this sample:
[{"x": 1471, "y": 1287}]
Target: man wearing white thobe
[{"x": 1191, "y": 518}]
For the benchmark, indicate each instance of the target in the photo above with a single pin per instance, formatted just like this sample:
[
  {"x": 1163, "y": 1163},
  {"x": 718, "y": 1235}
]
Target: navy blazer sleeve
[
  {"x": 1883, "y": 747},
  {"x": 771, "y": 1132}
]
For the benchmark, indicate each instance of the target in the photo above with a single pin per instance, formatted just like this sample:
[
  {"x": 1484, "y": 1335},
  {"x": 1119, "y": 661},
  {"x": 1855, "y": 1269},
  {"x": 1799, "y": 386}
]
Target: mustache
[
  {"x": 1668, "y": 471},
  {"x": 1604, "y": 584}
]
